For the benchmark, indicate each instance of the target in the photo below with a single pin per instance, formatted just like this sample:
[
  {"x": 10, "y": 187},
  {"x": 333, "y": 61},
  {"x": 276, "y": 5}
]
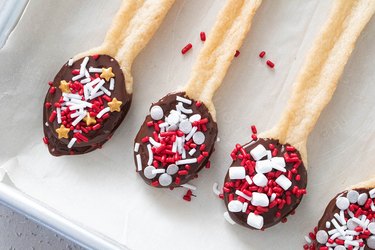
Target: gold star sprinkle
[
  {"x": 114, "y": 105},
  {"x": 62, "y": 132},
  {"x": 64, "y": 86},
  {"x": 107, "y": 73},
  {"x": 89, "y": 120}
]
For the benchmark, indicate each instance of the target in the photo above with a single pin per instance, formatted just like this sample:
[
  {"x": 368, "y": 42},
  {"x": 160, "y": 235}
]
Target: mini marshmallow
[
  {"x": 263, "y": 167},
  {"x": 156, "y": 113},
  {"x": 194, "y": 118},
  {"x": 255, "y": 221},
  {"x": 322, "y": 236},
  {"x": 372, "y": 193},
  {"x": 237, "y": 173},
  {"x": 165, "y": 180},
  {"x": 342, "y": 203},
  {"x": 362, "y": 198},
  {"x": 148, "y": 172},
  {"x": 352, "y": 196},
  {"x": 172, "y": 169},
  {"x": 199, "y": 138},
  {"x": 258, "y": 152},
  {"x": 185, "y": 126},
  {"x": 283, "y": 182},
  {"x": 259, "y": 199},
  {"x": 279, "y": 161},
  {"x": 260, "y": 180},
  {"x": 235, "y": 206}
]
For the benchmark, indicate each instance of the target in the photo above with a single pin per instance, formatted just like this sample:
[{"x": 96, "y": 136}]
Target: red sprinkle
[
  {"x": 270, "y": 64},
  {"x": 237, "y": 53},
  {"x": 97, "y": 126},
  {"x": 254, "y": 129},
  {"x": 203, "y": 36},
  {"x": 45, "y": 140},
  {"x": 52, "y": 90},
  {"x": 262, "y": 54},
  {"x": 186, "y": 48},
  {"x": 52, "y": 117},
  {"x": 95, "y": 57}
]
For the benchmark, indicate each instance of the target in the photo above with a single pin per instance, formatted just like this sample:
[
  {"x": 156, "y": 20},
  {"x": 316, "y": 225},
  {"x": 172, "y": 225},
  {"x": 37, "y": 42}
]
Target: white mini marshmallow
[
  {"x": 156, "y": 113},
  {"x": 352, "y": 196},
  {"x": 260, "y": 199},
  {"x": 235, "y": 206},
  {"x": 371, "y": 227},
  {"x": 263, "y": 167},
  {"x": 283, "y": 182},
  {"x": 237, "y": 173},
  {"x": 372, "y": 193},
  {"x": 165, "y": 180},
  {"x": 148, "y": 172},
  {"x": 172, "y": 169},
  {"x": 258, "y": 152},
  {"x": 279, "y": 161},
  {"x": 199, "y": 138},
  {"x": 342, "y": 203},
  {"x": 194, "y": 118},
  {"x": 322, "y": 237},
  {"x": 255, "y": 221},
  {"x": 260, "y": 180},
  {"x": 185, "y": 126},
  {"x": 362, "y": 198},
  {"x": 173, "y": 118}
]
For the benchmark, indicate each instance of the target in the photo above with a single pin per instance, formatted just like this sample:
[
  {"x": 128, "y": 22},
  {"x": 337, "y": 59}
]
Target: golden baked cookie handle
[
  {"x": 225, "y": 38},
  {"x": 133, "y": 27},
  {"x": 320, "y": 74}
]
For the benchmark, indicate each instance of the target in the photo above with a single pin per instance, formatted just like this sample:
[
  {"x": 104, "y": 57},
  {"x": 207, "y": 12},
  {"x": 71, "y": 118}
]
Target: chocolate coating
[
  {"x": 269, "y": 217},
  {"x": 168, "y": 103},
  {"x": 331, "y": 209},
  {"x": 96, "y": 138}
]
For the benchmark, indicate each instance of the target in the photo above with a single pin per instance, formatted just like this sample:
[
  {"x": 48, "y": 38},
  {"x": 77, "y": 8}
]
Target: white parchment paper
[{"x": 101, "y": 190}]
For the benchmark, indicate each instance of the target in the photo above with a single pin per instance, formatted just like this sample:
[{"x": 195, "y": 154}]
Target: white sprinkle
[
  {"x": 372, "y": 206},
  {"x": 337, "y": 226},
  {"x": 181, "y": 108},
  {"x": 337, "y": 216},
  {"x": 255, "y": 221},
  {"x": 102, "y": 112},
  {"x": 193, "y": 130},
  {"x": 80, "y": 102},
  {"x": 92, "y": 97},
  {"x": 239, "y": 193},
  {"x": 273, "y": 197},
  {"x": 70, "y": 62},
  {"x": 172, "y": 169},
  {"x": 184, "y": 100},
  {"x": 215, "y": 189},
  {"x": 183, "y": 153},
  {"x": 106, "y": 91},
  {"x": 77, "y": 77},
  {"x": 235, "y": 206},
  {"x": 248, "y": 179},
  {"x": 352, "y": 196},
  {"x": 258, "y": 152},
  {"x": 156, "y": 113},
  {"x": 76, "y": 114},
  {"x": 189, "y": 186},
  {"x": 154, "y": 143},
  {"x": 194, "y": 118},
  {"x": 371, "y": 227},
  {"x": 78, "y": 119},
  {"x": 150, "y": 154},
  {"x": 148, "y": 172},
  {"x": 372, "y": 193},
  {"x": 174, "y": 147},
  {"x": 228, "y": 218},
  {"x": 163, "y": 125},
  {"x": 307, "y": 239},
  {"x": 165, "y": 180},
  {"x": 244, "y": 207},
  {"x": 342, "y": 203},
  {"x": 58, "y": 111},
  {"x": 259, "y": 199},
  {"x": 139, "y": 162},
  {"x": 173, "y": 118},
  {"x": 87, "y": 74},
  {"x": 46, "y": 124},
  {"x": 86, "y": 92},
  {"x": 158, "y": 171},
  {"x": 192, "y": 151},
  {"x": 269, "y": 155},
  {"x": 187, "y": 161},
  {"x": 95, "y": 70},
  {"x": 69, "y": 95},
  {"x": 96, "y": 88},
  {"x": 136, "y": 147},
  {"x": 86, "y": 80},
  {"x": 283, "y": 182},
  {"x": 237, "y": 173},
  {"x": 83, "y": 65},
  {"x": 90, "y": 84},
  {"x": 260, "y": 180},
  {"x": 199, "y": 138},
  {"x": 362, "y": 198},
  {"x": 72, "y": 141},
  {"x": 77, "y": 106},
  {"x": 328, "y": 224},
  {"x": 371, "y": 242},
  {"x": 112, "y": 84},
  {"x": 185, "y": 126}
]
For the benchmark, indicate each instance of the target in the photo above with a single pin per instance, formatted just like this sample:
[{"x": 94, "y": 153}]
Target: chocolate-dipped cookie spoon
[
  {"x": 348, "y": 221},
  {"x": 268, "y": 177},
  {"x": 177, "y": 137},
  {"x": 91, "y": 94}
]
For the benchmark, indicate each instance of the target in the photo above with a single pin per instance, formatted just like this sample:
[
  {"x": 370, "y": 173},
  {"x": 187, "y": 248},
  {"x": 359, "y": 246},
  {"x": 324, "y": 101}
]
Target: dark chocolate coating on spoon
[
  {"x": 269, "y": 217},
  {"x": 96, "y": 138},
  {"x": 169, "y": 103},
  {"x": 331, "y": 209}
]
